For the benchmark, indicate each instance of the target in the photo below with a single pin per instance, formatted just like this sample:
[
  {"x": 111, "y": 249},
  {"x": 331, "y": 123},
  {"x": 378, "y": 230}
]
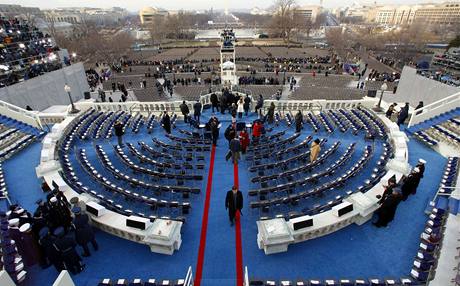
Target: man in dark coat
[
  {"x": 298, "y": 121},
  {"x": 246, "y": 105},
  {"x": 387, "y": 210},
  {"x": 411, "y": 183},
  {"x": 260, "y": 103},
  {"x": 271, "y": 113},
  {"x": 65, "y": 245},
  {"x": 166, "y": 122},
  {"x": 214, "y": 102},
  {"x": 185, "y": 111},
  {"x": 214, "y": 124},
  {"x": 51, "y": 254},
  {"x": 197, "y": 110},
  {"x": 223, "y": 102},
  {"x": 83, "y": 231},
  {"x": 233, "y": 203},
  {"x": 119, "y": 132},
  {"x": 235, "y": 148},
  {"x": 403, "y": 114}
]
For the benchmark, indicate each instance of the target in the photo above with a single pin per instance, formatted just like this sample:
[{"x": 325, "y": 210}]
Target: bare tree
[{"x": 283, "y": 20}]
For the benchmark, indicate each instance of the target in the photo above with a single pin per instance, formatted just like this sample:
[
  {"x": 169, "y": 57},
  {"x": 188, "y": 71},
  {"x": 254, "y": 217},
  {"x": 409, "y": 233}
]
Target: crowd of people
[
  {"x": 50, "y": 236},
  {"x": 25, "y": 52},
  {"x": 247, "y": 80},
  {"x": 394, "y": 193}
]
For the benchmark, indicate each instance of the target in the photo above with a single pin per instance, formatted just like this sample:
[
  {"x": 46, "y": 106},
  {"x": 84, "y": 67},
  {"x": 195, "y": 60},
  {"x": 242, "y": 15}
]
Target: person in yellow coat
[{"x": 314, "y": 150}]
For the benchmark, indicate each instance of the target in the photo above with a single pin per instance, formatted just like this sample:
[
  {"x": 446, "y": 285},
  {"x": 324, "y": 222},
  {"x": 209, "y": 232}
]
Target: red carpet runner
[
  {"x": 238, "y": 245},
  {"x": 204, "y": 223}
]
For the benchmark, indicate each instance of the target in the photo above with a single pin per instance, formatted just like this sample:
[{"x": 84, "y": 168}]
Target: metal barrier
[{"x": 189, "y": 277}]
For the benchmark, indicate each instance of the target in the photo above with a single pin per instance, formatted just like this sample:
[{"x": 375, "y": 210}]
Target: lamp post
[
  {"x": 68, "y": 90},
  {"x": 383, "y": 88}
]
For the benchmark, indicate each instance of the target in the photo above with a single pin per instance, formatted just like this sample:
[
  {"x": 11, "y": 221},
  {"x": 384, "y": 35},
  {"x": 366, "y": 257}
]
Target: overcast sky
[{"x": 135, "y": 5}]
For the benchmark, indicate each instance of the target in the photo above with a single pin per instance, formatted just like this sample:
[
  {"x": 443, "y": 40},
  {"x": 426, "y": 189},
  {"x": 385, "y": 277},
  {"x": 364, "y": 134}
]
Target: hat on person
[
  {"x": 25, "y": 227},
  {"x": 13, "y": 222},
  {"x": 53, "y": 199},
  {"x": 43, "y": 232},
  {"x": 76, "y": 210},
  {"x": 421, "y": 161},
  {"x": 19, "y": 211},
  {"x": 59, "y": 232}
]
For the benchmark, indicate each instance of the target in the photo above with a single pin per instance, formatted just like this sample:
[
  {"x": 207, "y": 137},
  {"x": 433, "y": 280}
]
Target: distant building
[
  {"x": 307, "y": 13},
  {"x": 11, "y": 11},
  {"x": 100, "y": 17},
  {"x": 444, "y": 14},
  {"x": 259, "y": 11},
  {"x": 395, "y": 15},
  {"x": 149, "y": 14}
]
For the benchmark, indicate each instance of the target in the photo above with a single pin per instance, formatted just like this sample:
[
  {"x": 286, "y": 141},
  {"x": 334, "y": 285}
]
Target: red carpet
[
  {"x": 238, "y": 245},
  {"x": 204, "y": 223}
]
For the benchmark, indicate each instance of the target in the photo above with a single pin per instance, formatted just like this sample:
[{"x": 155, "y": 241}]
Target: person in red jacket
[
  {"x": 257, "y": 129},
  {"x": 244, "y": 140}
]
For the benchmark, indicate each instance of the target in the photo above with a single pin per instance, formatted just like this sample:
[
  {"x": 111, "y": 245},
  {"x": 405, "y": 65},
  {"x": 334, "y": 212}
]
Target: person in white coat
[{"x": 240, "y": 108}]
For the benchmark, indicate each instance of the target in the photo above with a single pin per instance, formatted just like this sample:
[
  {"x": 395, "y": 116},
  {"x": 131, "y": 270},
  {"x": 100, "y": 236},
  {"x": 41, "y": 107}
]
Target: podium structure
[{"x": 227, "y": 59}]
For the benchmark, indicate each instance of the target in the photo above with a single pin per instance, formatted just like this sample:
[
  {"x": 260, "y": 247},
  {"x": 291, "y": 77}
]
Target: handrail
[
  {"x": 426, "y": 112},
  {"x": 29, "y": 117}
]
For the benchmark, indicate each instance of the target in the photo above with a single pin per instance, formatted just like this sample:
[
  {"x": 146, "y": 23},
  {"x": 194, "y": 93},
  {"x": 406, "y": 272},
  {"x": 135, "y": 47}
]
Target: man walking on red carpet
[{"x": 233, "y": 203}]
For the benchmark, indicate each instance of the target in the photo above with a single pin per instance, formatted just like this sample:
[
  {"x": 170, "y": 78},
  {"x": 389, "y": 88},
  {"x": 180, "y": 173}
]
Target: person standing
[
  {"x": 240, "y": 108},
  {"x": 387, "y": 210},
  {"x": 314, "y": 150},
  {"x": 390, "y": 110},
  {"x": 214, "y": 131},
  {"x": 298, "y": 121},
  {"x": 410, "y": 184},
  {"x": 119, "y": 132},
  {"x": 197, "y": 110},
  {"x": 419, "y": 106},
  {"x": 247, "y": 103},
  {"x": 244, "y": 140},
  {"x": 83, "y": 231},
  {"x": 403, "y": 114},
  {"x": 51, "y": 254},
  {"x": 260, "y": 104},
  {"x": 214, "y": 102},
  {"x": 271, "y": 113},
  {"x": 185, "y": 110},
  {"x": 233, "y": 203},
  {"x": 235, "y": 148},
  {"x": 166, "y": 122},
  {"x": 65, "y": 246}
]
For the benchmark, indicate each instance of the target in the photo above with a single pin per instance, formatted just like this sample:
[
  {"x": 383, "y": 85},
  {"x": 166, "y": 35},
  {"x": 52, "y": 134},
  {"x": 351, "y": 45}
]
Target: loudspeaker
[
  {"x": 95, "y": 209},
  {"x": 87, "y": 95},
  {"x": 371, "y": 93},
  {"x": 138, "y": 222},
  {"x": 343, "y": 208},
  {"x": 301, "y": 222}
]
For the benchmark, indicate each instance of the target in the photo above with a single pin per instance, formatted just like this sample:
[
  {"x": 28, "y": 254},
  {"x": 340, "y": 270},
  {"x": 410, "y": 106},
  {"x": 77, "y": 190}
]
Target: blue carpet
[{"x": 356, "y": 251}]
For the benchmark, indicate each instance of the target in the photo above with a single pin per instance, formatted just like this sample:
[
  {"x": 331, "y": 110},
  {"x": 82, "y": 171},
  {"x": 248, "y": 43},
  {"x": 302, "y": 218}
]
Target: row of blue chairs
[
  {"x": 339, "y": 282},
  {"x": 338, "y": 121},
  {"x": 326, "y": 122},
  {"x": 424, "y": 137},
  {"x": 152, "y": 203},
  {"x": 140, "y": 282},
  {"x": 313, "y": 121},
  {"x": 21, "y": 126},
  {"x": 449, "y": 134},
  {"x": 449, "y": 178},
  {"x": 17, "y": 146},
  {"x": 137, "y": 123},
  {"x": 308, "y": 167}
]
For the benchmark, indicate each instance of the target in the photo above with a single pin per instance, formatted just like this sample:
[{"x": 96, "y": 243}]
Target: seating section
[
  {"x": 15, "y": 136},
  {"x": 287, "y": 184},
  {"x": 444, "y": 128},
  {"x": 146, "y": 180},
  {"x": 26, "y": 52}
]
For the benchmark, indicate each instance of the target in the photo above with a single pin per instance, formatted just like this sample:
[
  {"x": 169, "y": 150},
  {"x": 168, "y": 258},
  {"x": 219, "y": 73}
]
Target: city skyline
[{"x": 136, "y": 5}]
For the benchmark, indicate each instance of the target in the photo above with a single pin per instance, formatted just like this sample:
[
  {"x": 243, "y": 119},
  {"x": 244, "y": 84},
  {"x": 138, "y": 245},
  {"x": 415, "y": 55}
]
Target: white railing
[
  {"x": 20, "y": 114},
  {"x": 52, "y": 118},
  {"x": 189, "y": 277},
  {"x": 319, "y": 104},
  {"x": 246, "y": 276},
  {"x": 435, "y": 108}
]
